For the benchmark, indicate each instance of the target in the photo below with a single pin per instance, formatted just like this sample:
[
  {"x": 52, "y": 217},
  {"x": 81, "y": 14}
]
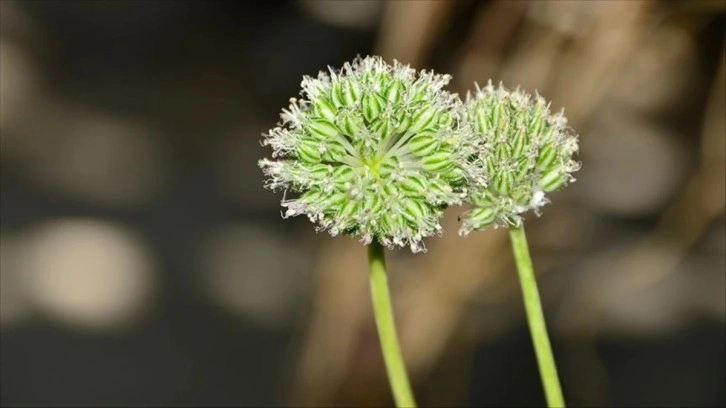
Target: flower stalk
[
  {"x": 535, "y": 318},
  {"x": 383, "y": 312}
]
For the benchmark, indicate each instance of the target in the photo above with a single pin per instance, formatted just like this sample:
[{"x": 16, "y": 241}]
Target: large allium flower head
[
  {"x": 526, "y": 152},
  {"x": 371, "y": 150}
]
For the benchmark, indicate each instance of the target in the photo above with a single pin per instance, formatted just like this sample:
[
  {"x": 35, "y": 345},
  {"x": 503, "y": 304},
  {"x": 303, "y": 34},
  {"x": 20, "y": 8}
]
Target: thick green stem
[
  {"x": 387, "y": 328},
  {"x": 535, "y": 317}
]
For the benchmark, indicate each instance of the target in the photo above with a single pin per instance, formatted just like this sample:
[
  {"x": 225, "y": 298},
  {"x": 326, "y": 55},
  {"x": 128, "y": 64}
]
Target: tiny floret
[
  {"x": 371, "y": 150},
  {"x": 525, "y": 150}
]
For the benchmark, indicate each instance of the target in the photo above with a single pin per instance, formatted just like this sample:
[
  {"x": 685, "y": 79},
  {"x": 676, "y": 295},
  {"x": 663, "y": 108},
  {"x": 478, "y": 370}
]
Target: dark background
[{"x": 143, "y": 264}]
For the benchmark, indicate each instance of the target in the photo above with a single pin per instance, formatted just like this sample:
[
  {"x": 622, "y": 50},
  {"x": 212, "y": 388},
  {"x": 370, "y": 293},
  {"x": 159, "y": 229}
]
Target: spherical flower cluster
[
  {"x": 526, "y": 152},
  {"x": 372, "y": 150}
]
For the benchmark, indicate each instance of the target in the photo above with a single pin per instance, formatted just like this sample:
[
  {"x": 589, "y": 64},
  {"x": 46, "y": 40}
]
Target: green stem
[
  {"x": 387, "y": 328},
  {"x": 535, "y": 317}
]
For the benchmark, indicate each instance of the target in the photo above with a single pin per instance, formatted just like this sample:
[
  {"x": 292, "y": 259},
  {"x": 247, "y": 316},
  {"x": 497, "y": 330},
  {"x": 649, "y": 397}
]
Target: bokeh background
[{"x": 143, "y": 264}]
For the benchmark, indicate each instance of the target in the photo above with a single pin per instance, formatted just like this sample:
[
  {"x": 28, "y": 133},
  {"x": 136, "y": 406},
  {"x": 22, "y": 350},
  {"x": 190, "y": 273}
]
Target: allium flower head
[
  {"x": 526, "y": 151},
  {"x": 371, "y": 150}
]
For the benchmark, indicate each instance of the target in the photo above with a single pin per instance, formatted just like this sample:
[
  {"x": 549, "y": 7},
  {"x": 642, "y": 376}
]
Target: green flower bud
[
  {"x": 393, "y": 92},
  {"x": 423, "y": 144},
  {"x": 413, "y": 185},
  {"x": 437, "y": 162},
  {"x": 403, "y": 124},
  {"x": 382, "y": 127},
  {"x": 372, "y": 106},
  {"x": 333, "y": 151},
  {"x": 325, "y": 110},
  {"x": 351, "y": 92},
  {"x": 320, "y": 129},
  {"x": 423, "y": 119},
  {"x": 413, "y": 210},
  {"x": 524, "y": 152},
  {"x": 350, "y": 122},
  {"x": 372, "y": 150},
  {"x": 320, "y": 171},
  {"x": 309, "y": 151}
]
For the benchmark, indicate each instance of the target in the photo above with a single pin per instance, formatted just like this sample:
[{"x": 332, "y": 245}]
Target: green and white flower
[
  {"x": 374, "y": 151},
  {"x": 526, "y": 151}
]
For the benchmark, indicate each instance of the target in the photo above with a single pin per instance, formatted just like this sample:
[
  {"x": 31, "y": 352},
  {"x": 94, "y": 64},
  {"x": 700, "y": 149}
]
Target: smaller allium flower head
[
  {"x": 526, "y": 152},
  {"x": 371, "y": 150}
]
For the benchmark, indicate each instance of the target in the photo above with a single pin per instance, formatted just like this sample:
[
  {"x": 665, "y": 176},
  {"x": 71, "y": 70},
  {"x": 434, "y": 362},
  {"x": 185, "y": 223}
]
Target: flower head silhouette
[
  {"x": 372, "y": 150},
  {"x": 526, "y": 152}
]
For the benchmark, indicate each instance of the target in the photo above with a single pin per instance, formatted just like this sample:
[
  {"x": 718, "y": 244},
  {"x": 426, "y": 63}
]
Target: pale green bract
[
  {"x": 526, "y": 152},
  {"x": 374, "y": 151}
]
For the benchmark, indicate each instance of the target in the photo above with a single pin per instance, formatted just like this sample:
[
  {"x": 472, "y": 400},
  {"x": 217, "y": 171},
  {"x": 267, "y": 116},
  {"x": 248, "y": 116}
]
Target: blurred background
[{"x": 143, "y": 264}]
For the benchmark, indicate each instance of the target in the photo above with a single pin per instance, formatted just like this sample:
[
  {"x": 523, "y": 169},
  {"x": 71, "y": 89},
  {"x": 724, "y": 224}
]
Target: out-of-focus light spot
[
  {"x": 661, "y": 72},
  {"x": 634, "y": 289},
  {"x": 255, "y": 273},
  {"x": 13, "y": 309},
  {"x": 692, "y": 291},
  {"x": 630, "y": 167},
  {"x": 351, "y": 14},
  {"x": 569, "y": 18},
  {"x": 94, "y": 157},
  {"x": 88, "y": 274},
  {"x": 19, "y": 88},
  {"x": 619, "y": 301}
]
